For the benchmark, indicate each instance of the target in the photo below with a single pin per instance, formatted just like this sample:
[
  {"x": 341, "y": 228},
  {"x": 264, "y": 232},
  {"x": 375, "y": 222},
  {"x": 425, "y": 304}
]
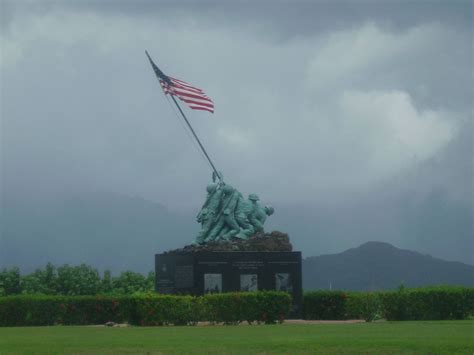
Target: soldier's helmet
[
  {"x": 211, "y": 188},
  {"x": 227, "y": 189},
  {"x": 269, "y": 210},
  {"x": 253, "y": 197}
]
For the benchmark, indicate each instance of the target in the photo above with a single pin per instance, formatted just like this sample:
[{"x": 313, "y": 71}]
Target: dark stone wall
[{"x": 203, "y": 272}]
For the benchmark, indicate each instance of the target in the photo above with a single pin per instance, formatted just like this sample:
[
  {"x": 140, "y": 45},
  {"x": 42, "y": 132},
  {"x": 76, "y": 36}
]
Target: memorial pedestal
[{"x": 198, "y": 273}]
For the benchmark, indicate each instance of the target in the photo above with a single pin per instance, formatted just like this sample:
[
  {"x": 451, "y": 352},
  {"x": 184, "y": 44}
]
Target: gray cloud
[
  {"x": 329, "y": 106},
  {"x": 280, "y": 19}
]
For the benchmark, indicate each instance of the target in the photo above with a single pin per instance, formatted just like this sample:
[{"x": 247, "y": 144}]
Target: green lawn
[{"x": 448, "y": 337}]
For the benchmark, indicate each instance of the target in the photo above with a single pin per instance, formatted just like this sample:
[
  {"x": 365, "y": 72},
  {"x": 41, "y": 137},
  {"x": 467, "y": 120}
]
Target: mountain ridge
[{"x": 380, "y": 265}]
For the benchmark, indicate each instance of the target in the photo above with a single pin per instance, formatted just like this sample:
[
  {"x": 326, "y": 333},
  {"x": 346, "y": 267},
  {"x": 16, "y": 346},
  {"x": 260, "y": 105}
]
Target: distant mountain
[{"x": 377, "y": 265}]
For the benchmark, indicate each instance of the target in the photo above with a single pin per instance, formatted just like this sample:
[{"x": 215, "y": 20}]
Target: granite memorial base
[{"x": 199, "y": 273}]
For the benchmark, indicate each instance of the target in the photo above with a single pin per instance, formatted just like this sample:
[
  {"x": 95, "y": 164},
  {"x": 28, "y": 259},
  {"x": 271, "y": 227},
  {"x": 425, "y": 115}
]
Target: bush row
[
  {"x": 232, "y": 308},
  {"x": 148, "y": 309},
  {"x": 430, "y": 303}
]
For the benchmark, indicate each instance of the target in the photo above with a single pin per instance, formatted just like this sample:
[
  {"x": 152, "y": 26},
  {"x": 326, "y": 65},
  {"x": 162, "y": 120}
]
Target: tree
[
  {"x": 41, "y": 281},
  {"x": 129, "y": 282},
  {"x": 73, "y": 280},
  {"x": 78, "y": 280},
  {"x": 106, "y": 283},
  {"x": 10, "y": 281},
  {"x": 150, "y": 281}
]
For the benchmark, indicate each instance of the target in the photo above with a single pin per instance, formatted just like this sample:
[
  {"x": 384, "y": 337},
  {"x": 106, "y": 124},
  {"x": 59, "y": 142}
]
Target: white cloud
[
  {"x": 396, "y": 135},
  {"x": 369, "y": 56}
]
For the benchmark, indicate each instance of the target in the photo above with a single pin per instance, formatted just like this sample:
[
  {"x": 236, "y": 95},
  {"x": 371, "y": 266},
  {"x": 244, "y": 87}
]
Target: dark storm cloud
[
  {"x": 287, "y": 18},
  {"x": 298, "y": 17},
  {"x": 286, "y": 21}
]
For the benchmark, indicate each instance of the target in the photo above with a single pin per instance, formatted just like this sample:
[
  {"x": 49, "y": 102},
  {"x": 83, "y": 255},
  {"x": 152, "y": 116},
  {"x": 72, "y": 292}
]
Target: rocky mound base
[{"x": 274, "y": 241}]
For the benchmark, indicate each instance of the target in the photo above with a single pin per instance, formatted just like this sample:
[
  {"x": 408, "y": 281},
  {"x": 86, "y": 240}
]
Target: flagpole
[
  {"x": 197, "y": 139},
  {"x": 161, "y": 75}
]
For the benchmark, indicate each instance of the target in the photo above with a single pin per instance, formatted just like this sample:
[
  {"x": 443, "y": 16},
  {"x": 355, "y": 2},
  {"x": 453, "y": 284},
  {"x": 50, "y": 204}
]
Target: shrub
[
  {"x": 429, "y": 303},
  {"x": 77, "y": 280},
  {"x": 433, "y": 303},
  {"x": 271, "y": 306},
  {"x": 325, "y": 305},
  {"x": 153, "y": 309},
  {"x": 363, "y": 305},
  {"x": 232, "y": 308},
  {"x": 29, "y": 310},
  {"x": 94, "y": 309},
  {"x": 26, "y": 310},
  {"x": 73, "y": 281},
  {"x": 144, "y": 309},
  {"x": 226, "y": 308},
  {"x": 41, "y": 281},
  {"x": 10, "y": 281},
  {"x": 129, "y": 282}
]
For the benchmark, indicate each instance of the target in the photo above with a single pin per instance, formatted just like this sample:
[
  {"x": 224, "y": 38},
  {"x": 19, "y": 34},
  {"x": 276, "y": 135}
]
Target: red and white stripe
[{"x": 193, "y": 97}]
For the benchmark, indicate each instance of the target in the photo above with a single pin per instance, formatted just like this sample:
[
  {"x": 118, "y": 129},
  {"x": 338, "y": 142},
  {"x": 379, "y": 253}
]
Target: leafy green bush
[
  {"x": 363, "y": 305},
  {"x": 143, "y": 309},
  {"x": 270, "y": 307},
  {"x": 10, "y": 281},
  {"x": 41, "y": 281},
  {"x": 77, "y": 280},
  {"x": 224, "y": 308},
  {"x": 429, "y": 303},
  {"x": 433, "y": 303},
  {"x": 153, "y": 309},
  {"x": 95, "y": 309},
  {"x": 325, "y": 305},
  {"x": 26, "y": 310},
  {"x": 232, "y": 308},
  {"x": 73, "y": 281},
  {"x": 29, "y": 310},
  {"x": 129, "y": 282}
]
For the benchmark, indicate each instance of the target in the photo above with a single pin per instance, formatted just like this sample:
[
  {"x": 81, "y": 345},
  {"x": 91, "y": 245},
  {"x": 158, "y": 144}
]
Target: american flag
[{"x": 193, "y": 97}]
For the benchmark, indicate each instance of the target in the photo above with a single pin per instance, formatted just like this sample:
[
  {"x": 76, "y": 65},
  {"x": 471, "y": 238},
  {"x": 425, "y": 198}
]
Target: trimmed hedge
[
  {"x": 363, "y": 305},
  {"x": 325, "y": 305},
  {"x": 146, "y": 310},
  {"x": 430, "y": 303},
  {"x": 29, "y": 310},
  {"x": 232, "y": 308},
  {"x": 154, "y": 310},
  {"x": 436, "y": 303}
]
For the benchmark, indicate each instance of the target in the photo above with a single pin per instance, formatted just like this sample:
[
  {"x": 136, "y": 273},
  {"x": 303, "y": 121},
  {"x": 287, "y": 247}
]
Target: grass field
[{"x": 436, "y": 337}]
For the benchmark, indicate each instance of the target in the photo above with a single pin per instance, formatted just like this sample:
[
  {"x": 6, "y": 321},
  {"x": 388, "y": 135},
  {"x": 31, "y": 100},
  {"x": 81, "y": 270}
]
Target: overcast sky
[{"x": 325, "y": 105}]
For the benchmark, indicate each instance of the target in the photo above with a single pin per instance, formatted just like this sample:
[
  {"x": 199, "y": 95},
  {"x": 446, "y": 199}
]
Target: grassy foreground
[{"x": 435, "y": 337}]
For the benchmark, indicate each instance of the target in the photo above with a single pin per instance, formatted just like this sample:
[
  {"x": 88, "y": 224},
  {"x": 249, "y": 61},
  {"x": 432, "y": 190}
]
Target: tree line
[{"x": 73, "y": 281}]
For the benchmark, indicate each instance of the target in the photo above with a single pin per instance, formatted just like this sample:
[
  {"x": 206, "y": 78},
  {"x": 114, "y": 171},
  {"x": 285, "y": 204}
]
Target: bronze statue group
[{"x": 227, "y": 214}]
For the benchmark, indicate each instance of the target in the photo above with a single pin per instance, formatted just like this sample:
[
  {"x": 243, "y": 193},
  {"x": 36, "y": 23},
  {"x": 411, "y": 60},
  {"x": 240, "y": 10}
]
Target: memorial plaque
[
  {"x": 184, "y": 276},
  {"x": 248, "y": 282},
  {"x": 164, "y": 278},
  {"x": 212, "y": 283},
  {"x": 248, "y": 264},
  {"x": 283, "y": 282}
]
